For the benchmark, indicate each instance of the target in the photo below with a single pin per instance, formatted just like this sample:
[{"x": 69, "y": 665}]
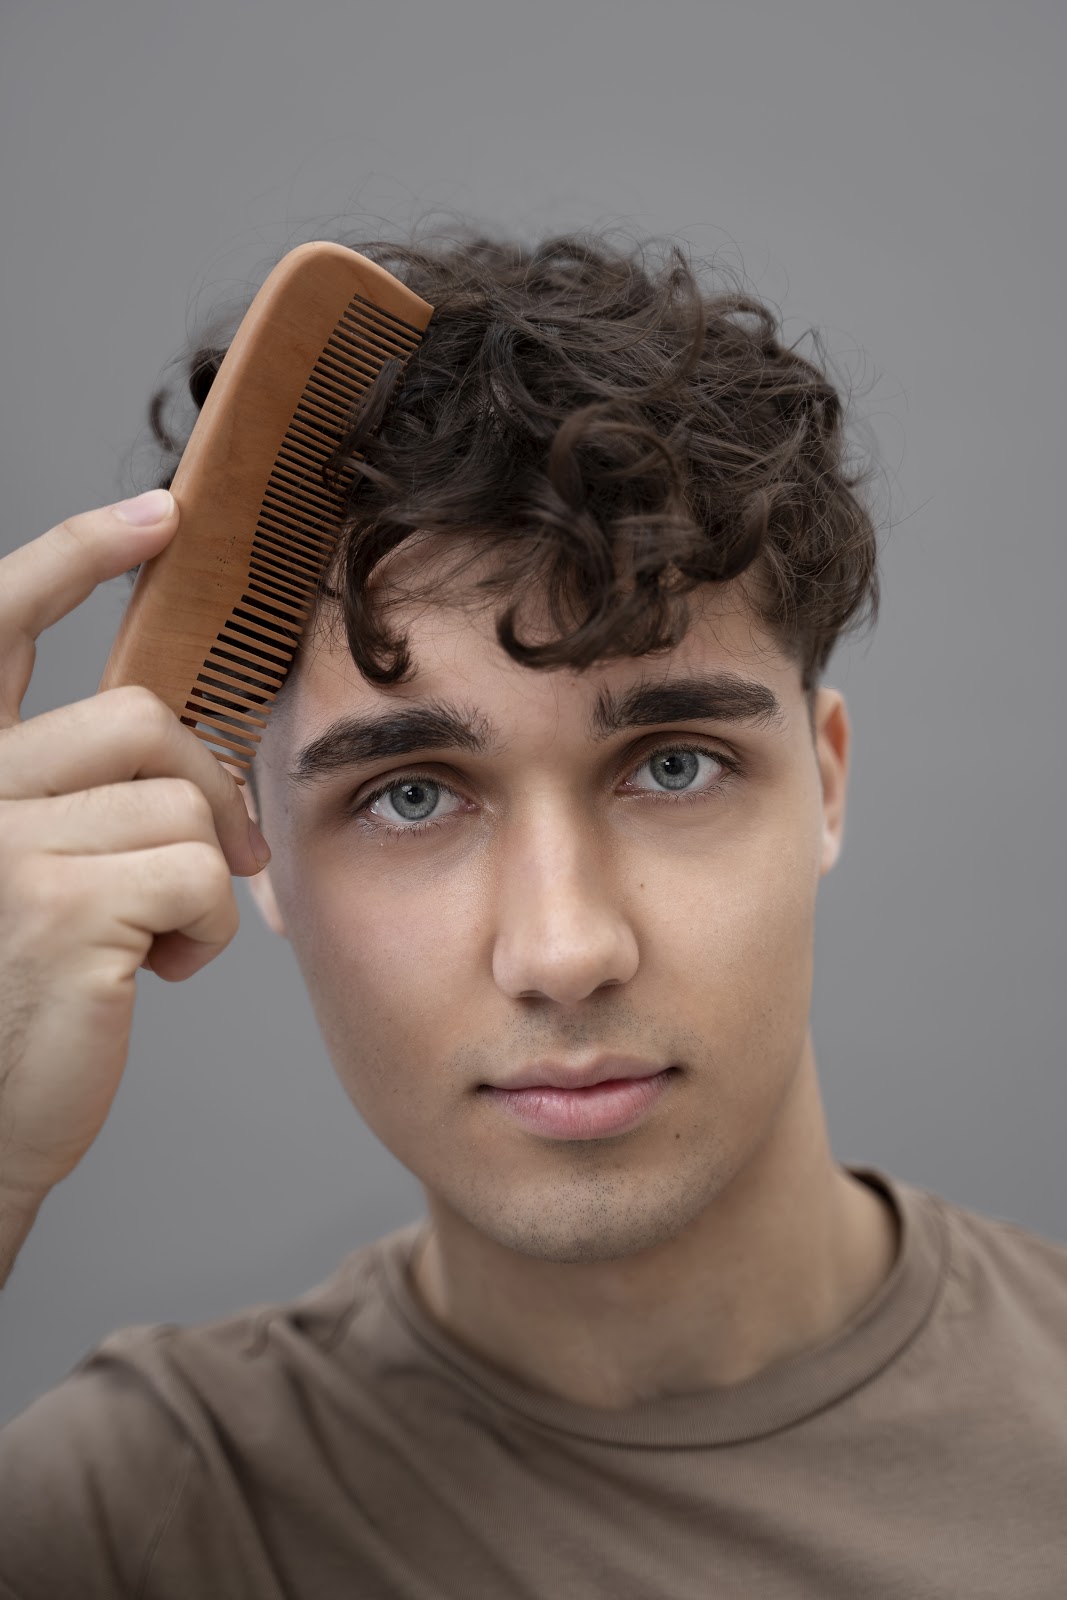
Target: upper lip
[{"x": 575, "y": 1075}]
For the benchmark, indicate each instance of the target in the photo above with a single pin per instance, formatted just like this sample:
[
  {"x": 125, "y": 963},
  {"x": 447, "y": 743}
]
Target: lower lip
[{"x": 593, "y": 1113}]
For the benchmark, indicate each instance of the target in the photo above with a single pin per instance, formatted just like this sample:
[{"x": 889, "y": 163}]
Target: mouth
[
  {"x": 603, "y": 1107},
  {"x": 585, "y": 1075}
]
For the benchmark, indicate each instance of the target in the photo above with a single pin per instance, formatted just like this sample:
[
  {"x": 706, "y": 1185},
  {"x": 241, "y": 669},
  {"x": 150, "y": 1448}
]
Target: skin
[{"x": 569, "y": 904}]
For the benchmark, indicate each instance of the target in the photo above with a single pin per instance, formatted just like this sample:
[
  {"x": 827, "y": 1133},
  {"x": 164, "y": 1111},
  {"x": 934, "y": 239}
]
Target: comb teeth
[{"x": 296, "y": 533}]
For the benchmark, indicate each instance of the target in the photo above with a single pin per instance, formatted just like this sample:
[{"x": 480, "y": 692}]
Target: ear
[
  {"x": 260, "y": 887},
  {"x": 833, "y": 736}
]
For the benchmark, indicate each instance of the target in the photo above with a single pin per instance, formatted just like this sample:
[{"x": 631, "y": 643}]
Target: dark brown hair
[{"x": 616, "y": 432}]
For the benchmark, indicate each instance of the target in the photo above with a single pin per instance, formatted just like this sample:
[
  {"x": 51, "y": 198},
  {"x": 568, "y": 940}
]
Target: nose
[{"x": 561, "y": 930}]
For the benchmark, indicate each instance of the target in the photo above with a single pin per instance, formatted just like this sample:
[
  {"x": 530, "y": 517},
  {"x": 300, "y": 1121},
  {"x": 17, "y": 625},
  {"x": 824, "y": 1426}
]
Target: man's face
[{"x": 644, "y": 890}]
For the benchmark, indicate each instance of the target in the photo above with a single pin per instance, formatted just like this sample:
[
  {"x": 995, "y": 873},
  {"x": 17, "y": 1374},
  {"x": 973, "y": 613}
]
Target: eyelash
[{"x": 731, "y": 765}]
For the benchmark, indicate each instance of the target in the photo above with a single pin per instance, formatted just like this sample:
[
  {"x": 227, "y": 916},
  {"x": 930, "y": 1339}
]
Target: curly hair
[{"x": 615, "y": 431}]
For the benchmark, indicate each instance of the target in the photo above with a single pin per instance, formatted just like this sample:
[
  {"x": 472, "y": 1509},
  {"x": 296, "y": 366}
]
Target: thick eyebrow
[
  {"x": 441, "y": 725},
  {"x": 718, "y": 697},
  {"x": 354, "y": 739}
]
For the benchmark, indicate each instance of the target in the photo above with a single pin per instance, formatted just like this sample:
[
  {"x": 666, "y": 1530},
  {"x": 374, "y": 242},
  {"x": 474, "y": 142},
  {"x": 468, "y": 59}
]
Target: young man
[{"x": 550, "y": 792}]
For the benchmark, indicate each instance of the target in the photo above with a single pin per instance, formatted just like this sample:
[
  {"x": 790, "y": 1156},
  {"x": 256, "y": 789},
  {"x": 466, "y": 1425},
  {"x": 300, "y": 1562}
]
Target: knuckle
[
  {"x": 190, "y": 801},
  {"x": 137, "y": 700},
  {"x": 71, "y": 531},
  {"x": 143, "y": 709},
  {"x": 209, "y": 865}
]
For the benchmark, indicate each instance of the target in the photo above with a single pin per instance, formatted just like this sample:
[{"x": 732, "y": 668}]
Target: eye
[
  {"x": 410, "y": 806},
  {"x": 407, "y": 806},
  {"x": 677, "y": 769}
]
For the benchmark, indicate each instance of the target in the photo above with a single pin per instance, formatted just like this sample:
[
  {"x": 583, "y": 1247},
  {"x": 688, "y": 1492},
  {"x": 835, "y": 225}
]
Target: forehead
[{"x": 450, "y": 632}]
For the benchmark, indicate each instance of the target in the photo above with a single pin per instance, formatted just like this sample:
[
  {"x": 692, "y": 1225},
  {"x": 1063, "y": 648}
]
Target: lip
[
  {"x": 608, "y": 1104},
  {"x": 560, "y": 1075}
]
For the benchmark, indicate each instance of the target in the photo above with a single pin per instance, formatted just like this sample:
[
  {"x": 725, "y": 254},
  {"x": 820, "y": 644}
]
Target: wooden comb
[{"x": 214, "y": 620}]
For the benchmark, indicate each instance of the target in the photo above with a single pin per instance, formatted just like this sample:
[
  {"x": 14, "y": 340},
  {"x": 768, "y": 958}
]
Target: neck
[{"x": 788, "y": 1252}]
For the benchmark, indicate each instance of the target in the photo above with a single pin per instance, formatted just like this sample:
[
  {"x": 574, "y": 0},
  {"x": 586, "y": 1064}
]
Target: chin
[{"x": 590, "y": 1218}]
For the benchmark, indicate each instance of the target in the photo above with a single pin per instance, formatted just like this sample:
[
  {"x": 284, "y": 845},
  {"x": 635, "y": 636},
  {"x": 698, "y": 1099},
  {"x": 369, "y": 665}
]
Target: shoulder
[
  {"x": 87, "y": 1473},
  {"x": 1034, "y": 1262},
  {"x": 1006, "y": 1273},
  {"x": 158, "y": 1368},
  {"x": 143, "y": 1422}
]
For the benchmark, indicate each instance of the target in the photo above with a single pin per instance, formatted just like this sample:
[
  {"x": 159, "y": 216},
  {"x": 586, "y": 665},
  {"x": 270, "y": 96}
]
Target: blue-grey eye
[
  {"x": 675, "y": 769},
  {"x": 414, "y": 801}
]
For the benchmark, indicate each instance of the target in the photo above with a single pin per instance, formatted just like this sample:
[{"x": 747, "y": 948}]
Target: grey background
[{"x": 889, "y": 174}]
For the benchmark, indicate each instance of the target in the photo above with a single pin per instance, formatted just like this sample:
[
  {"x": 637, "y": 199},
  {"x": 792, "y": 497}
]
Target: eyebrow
[{"x": 442, "y": 725}]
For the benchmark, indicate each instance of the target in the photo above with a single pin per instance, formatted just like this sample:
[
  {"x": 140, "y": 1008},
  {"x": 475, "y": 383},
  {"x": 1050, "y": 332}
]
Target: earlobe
[
  {"x": 262, "y": 891},
  {"x": 261, "y": 887},
  {"x": 831, "y": 849}
]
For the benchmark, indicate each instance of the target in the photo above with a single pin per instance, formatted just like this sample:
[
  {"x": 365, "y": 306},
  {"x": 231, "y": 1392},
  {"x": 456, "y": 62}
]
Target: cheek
[
  {"x": 762, "y": 912},
  {"x": 389, "y": 963},
  {"x": 743, "y": 967}
]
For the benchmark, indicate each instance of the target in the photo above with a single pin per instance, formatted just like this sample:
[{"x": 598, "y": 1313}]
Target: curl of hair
[{"x": 615, "y": 433}]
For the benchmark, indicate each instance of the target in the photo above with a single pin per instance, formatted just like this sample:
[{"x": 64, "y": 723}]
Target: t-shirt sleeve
[{"x": 90, "y": 1475}]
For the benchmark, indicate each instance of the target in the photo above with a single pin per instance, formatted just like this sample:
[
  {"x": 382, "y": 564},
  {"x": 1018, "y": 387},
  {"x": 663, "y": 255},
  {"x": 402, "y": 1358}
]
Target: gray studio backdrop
[{"x": 889, "y": 174}]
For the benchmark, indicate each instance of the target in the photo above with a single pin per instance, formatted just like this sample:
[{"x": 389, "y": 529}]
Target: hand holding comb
[{"x": 214, "y": 620}]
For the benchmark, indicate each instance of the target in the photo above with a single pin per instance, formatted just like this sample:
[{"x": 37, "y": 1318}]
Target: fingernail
[
  {"x": 144, "y": 509},
  {"x": 260, "y": 847}
]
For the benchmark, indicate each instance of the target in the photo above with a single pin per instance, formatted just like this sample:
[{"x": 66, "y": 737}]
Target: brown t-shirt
[{"x": 344, "y": 1445}]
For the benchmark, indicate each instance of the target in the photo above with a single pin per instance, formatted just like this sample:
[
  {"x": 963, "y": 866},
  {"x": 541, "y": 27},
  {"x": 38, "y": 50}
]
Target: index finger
[
  {"x": 118, "y": 736},
  {"x": 47, "y": 578}
]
